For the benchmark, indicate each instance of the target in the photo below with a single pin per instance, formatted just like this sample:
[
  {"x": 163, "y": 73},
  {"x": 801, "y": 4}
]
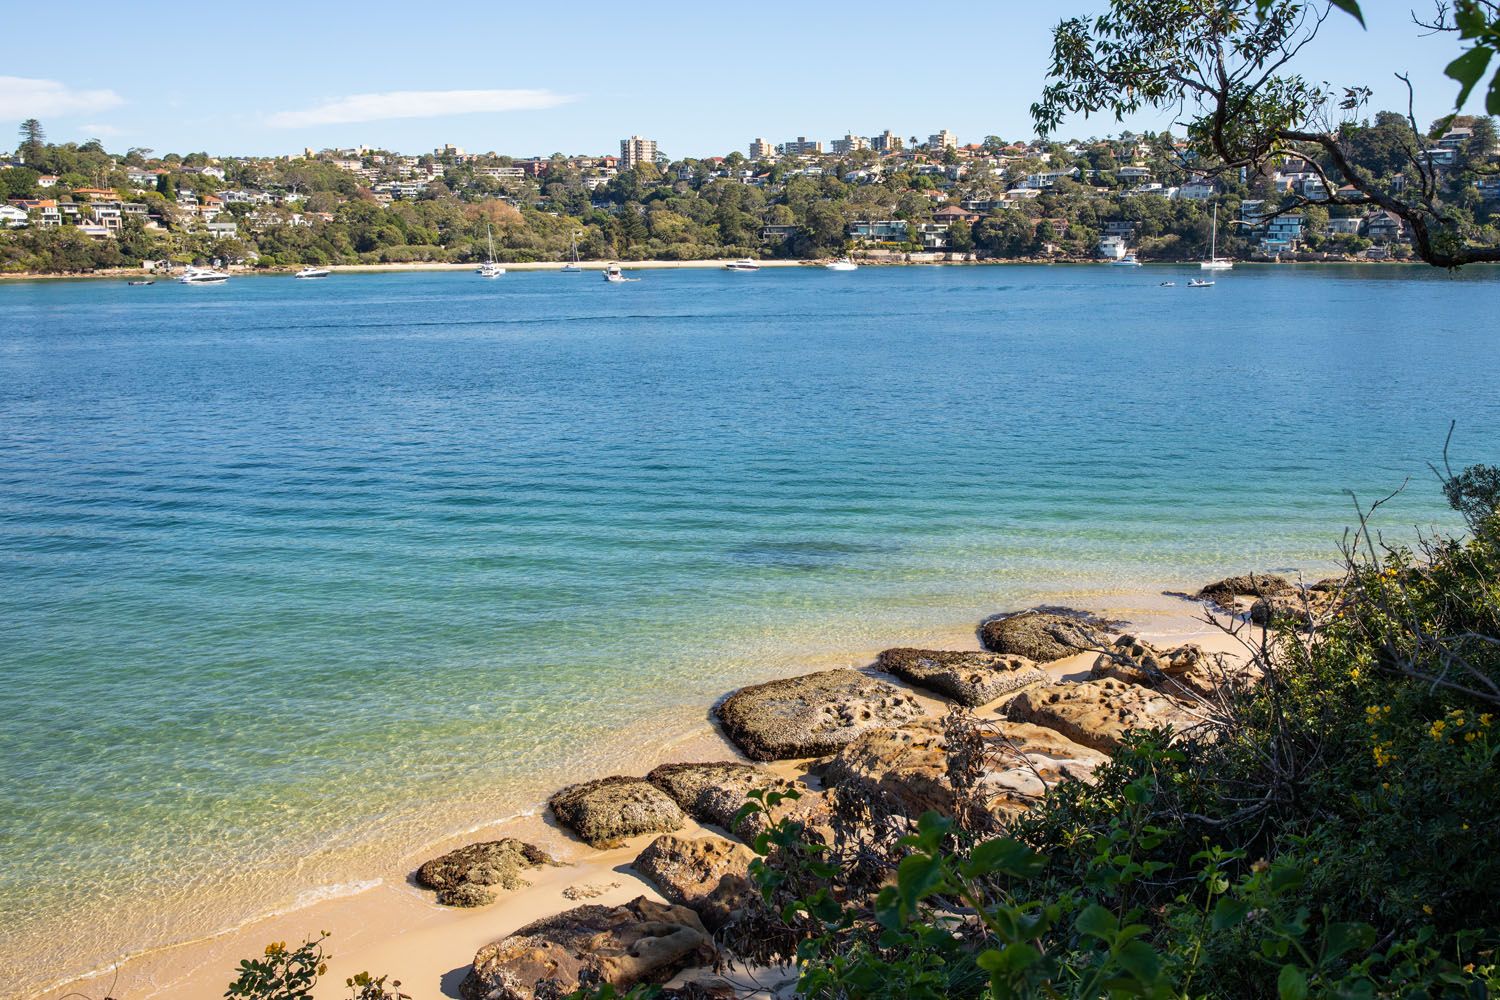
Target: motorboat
[
  {"x": 1126, "y": 261},
  {"x": 842, "y": 264},
  {"x": 202, "y": 276},
  {"x": 1169, "y": 284},
  {"x": 744, "y": 264},
  {"x": 1215, "y": 262},
  {"x": 613, "y": 274},
  {"x": 489, "y": 269},
  {"x": 141, "y": 281},
  {"x": 313, "y": 272},
  {"x": 1200, "y": 283}
]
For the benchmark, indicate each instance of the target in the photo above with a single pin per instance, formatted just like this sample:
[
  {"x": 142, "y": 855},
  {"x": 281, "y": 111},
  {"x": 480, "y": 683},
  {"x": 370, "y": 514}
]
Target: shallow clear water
[{"x": 295, "y": 576}]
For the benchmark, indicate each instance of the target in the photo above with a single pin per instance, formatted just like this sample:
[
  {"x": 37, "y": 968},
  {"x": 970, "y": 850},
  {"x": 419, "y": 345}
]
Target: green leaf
[
  {"x": 1003, "y": 855},
  {"x": 1229, "y": 912},
  {"x": 1341, "y": 938},
  {"x": 1468, "y": 70},
  {"x": 1139, "y": 959},
  {"x": 1095, "y": 920},
  {"x": 1013, "y": 958},
  {"x": 918, "y": 876},
  {"x": 1351, "y": 7},
  {"x": 1291, "y": 984}
]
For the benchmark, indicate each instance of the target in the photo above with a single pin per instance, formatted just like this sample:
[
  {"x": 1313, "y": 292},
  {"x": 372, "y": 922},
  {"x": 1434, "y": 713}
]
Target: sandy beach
[{"x": 385, "y": 924}]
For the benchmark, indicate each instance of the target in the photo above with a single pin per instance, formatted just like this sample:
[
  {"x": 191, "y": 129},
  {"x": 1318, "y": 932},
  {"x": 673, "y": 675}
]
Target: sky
[{"x": 270, "y": 78}]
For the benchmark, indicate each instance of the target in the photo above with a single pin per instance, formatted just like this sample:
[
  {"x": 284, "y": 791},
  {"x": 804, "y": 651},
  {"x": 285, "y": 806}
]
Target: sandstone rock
[
  {"x": 1185, "y": 672},
  {"x": 968, "y": 678},
  {"x": 640, "y": 942},
  {"x": 708, "y": 874},
  {"x": 905, "y": 771},
  {"x": 1097, "y": 713},
  {"x": 1302, "y": 609},
  {"x": 1224, "y": 592},
  {"x": 1042, "y": 636},
  {"x": 462, "y": 877},
  {"x": 714, "y": 792},
  {"x": 606, "y": 812},
  {"x": 813, "y": 714}
]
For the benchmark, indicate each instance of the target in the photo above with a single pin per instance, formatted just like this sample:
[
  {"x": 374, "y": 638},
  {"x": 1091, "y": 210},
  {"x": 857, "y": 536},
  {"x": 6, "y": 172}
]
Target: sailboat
[
  {"x": 1215, "y": 262},
  {"x": 489, "y": 269},
  {"x": 573, "y": 268}
]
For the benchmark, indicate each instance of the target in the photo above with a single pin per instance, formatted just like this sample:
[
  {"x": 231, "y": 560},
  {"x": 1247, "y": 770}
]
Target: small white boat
[
  {"x": 313, "y": 272},
  {"x": 1200, "y": 283},
  {"x": 613, "y": 274},
  {"x": 141, "y": 282},
  {"x": 1126, "y": 261},
  {"x": 202, "y": 276},
  {"x": 1169, "y": 284},
  {"x": 489, "y": 269},
  {"x": 745, "y": 264},
  {"x": 842, "y": 264},
  {"x": 1215, "y": 262}
]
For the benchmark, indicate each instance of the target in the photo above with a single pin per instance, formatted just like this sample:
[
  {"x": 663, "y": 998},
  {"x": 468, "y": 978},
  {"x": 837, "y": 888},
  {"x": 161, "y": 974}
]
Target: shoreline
[
  {"x": 709, "y": 264},
  {"x": 385, "y": 924}
]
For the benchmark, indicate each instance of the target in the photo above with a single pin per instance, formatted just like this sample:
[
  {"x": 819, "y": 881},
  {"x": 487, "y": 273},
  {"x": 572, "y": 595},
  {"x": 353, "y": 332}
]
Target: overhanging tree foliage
[{"x": 1223, "y": 68}]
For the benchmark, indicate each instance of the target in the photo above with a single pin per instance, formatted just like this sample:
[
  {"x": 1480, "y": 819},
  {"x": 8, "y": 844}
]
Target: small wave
[{"x": 305, "y": 899}]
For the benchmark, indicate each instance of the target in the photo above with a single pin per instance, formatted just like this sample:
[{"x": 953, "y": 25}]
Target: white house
[{"x": 13, "y": 217}]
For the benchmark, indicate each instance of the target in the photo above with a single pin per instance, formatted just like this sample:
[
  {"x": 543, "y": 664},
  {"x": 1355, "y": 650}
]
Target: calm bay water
[{"x": 296, "y": 576}]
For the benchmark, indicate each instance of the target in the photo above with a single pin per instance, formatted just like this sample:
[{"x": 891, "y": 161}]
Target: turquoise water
[{"x": 295, "y": 576}]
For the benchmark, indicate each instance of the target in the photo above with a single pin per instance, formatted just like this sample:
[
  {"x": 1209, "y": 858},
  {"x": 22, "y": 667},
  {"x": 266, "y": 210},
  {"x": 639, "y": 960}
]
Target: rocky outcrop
[
  {"x": 1041, "y": 636},
  {"x": 641, "y": 942},
  {"x": 608, "y": 811},
  {"x": 905, "y": 771},
  {"x": 811, "y": 715},
  {"x": 1225, "y": 592},
  {"x": 1296, "y": 607},
  {"x": 1097, "y": 713},
  {"x": 1184, "y": 672},
  {"x": 708, "y": 874},
  {"x": 968, "y": 678},
  {"x": 464, "y": 877},
  {"x": 714, "y": 792}
]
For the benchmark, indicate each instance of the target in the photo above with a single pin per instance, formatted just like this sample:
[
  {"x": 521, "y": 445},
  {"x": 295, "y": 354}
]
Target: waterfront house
[
  {"x": 1383, "y": 227},
  {"x": 13, "y": 216},
  {"x": 1112, "y": 247},
  {"x": 953, "y": 213}
]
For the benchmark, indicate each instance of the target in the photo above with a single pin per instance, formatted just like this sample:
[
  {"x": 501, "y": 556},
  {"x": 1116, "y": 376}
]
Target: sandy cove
[{"x": 396, "y": 928}]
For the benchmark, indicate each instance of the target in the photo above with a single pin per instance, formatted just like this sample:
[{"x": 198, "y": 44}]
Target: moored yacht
[
  {"x": 572, "y": 267},
  {"x": 313, "y": 272},
  {"x": 842, "y": 264},
  {"x": 744, "y": 264},
  {"x": 1126, "y": 261},
  {"x": 202, "y": 276},
  {"x": 1215, "y": 262},
  {"x": 489, "y": 269},
  {"x": 613, "y": 273}
]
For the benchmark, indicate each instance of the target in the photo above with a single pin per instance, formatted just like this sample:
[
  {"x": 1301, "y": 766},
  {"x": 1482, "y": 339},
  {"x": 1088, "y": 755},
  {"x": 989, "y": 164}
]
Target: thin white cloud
[
  {"x": 24, "y": 97},
  {"x": 416, "y": 104}
]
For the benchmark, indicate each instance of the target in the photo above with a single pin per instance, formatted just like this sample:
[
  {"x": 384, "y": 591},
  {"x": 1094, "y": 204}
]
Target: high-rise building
[
  {"x": 849, "y": 143},
  {"x": 761, "y": 149},
  {"x": 636, "y": 150},
  {"x": 886, "y": 142},
  {"x": 943, "y": 140},
  {"x": 801, "y": 146}
]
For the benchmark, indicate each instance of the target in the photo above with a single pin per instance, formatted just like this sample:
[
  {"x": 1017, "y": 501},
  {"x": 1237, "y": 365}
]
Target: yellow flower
[
  {"x": 1436, "y": 729},
  {"x": 1469, "y": 737},
  {"x": 1484, "y": 720},
  {"x": 1427, "y": 909}
]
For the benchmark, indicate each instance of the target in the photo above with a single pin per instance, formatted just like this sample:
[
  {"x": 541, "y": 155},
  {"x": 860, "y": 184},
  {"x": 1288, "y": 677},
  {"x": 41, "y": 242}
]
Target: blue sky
[{"x": 271, "y": 77}]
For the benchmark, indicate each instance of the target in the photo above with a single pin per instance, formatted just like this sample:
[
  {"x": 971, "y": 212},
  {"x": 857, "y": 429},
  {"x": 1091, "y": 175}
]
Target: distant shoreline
[{"x": 648, "y": 265}]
